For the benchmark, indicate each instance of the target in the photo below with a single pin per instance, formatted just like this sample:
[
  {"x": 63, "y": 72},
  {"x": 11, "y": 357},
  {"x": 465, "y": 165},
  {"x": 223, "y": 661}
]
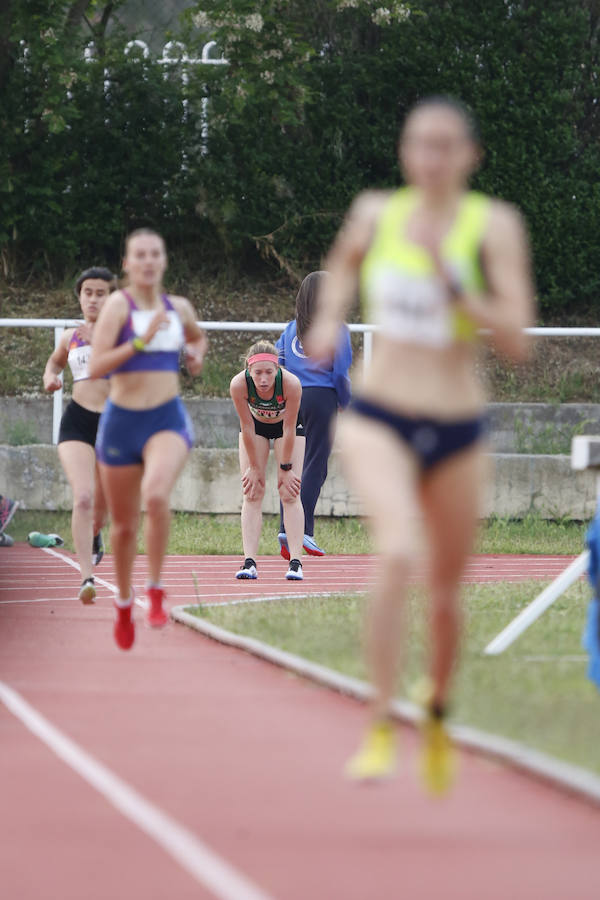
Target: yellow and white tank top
[{"x": 400, "y": 290}]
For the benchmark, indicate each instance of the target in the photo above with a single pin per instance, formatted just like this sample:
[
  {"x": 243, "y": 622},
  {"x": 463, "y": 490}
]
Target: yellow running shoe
[
  {"x": 376, "y": 757},
  {"x": 438, "y": 762},
  {"x": 87, "y": 591}
]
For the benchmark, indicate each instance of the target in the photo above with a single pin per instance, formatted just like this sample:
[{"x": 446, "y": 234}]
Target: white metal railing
[
  {"x": 174, "y": 53},
  {"x": 59, "y": 326},
  {"x": 366, "y": 330}
]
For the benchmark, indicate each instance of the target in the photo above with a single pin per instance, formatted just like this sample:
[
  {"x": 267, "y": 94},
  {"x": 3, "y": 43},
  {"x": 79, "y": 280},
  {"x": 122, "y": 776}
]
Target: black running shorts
[
  {"x": 274, "y": 430},
  {"x": 78, "y": 424}
]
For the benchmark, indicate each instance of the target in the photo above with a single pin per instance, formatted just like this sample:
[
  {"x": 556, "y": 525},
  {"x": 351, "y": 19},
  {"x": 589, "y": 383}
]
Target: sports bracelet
[{"x": 286, "y": 467}]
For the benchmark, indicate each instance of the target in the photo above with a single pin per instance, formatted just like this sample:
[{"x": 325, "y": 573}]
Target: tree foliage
[
  {"x": 94, "y": 139},
  {"x": 305, "y": 114},
  {"x": 309, "y": 109}
]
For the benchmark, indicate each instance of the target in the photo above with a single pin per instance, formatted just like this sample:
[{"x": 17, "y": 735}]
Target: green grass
[
  {"x": 531, "y": 535},
  {"x": 202, "y": 534},
  {"x": 193, "y": 534},
  {"x": 536, "y": 692}
]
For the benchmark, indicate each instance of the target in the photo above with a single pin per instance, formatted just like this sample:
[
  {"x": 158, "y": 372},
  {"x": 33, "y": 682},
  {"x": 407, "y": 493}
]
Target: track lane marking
[
  {"x": 107, "y": 584},
  {"x": 203, "y": 864},
  {"x": 37, "y": 600}
]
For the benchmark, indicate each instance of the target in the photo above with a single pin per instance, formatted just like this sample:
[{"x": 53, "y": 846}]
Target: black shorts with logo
[{"x": 274, "y": 430}]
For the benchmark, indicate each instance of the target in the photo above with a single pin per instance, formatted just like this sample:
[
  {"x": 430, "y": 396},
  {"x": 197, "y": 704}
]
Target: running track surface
[{"x": 247, "y": 758}]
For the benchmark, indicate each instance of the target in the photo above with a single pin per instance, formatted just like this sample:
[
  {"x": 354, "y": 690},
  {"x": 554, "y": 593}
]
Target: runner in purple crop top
[
  {"x": 167, "y": 342},
  {"x": 145, "y": 433}
]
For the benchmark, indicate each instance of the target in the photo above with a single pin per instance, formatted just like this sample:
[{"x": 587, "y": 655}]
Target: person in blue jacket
[{"x": 325, "y": 388}]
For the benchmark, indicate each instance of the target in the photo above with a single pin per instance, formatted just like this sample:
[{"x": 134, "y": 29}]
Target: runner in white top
[{"x": 79, "y": 424}]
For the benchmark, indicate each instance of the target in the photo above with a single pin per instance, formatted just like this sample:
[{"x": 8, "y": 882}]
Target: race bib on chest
[
  {"x": 79, "y": 360},
  {"x": 265, "y": 413},
  {"x": 411, "y": 309}
]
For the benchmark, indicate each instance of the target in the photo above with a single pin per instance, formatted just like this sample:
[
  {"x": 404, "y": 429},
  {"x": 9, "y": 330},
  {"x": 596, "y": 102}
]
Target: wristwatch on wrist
[
  {"x": 285, "y": 466},
  {"x": 138, "y": 344}
]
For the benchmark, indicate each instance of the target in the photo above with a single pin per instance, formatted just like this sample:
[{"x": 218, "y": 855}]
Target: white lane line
[
  {"x": 275, "y": 597},
  {"x": 48, "y": 587},
  {"x": 202, "y": 863},
  {"x": 107, "y": 584},
  {"x": 37, "y": 600}
]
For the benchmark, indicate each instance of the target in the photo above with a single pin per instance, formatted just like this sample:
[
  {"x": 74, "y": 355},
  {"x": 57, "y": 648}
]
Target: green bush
[
  {"x": 308, "y": 112},
  {"x": 91, "y": 148},
  {"x": 305, "y": 115}
]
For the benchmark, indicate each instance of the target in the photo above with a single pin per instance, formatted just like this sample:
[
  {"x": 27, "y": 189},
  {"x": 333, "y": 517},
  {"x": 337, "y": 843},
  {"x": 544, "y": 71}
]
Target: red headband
[{"x": 263, "y": 357}]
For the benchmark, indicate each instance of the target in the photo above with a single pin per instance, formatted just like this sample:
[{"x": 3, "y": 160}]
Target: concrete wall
[
  {"x": 518, "y": 485},
  {"x": 540, "y": 427},
  {"x": 215, "y": 421},
  {"x": 514, "y": 427}
]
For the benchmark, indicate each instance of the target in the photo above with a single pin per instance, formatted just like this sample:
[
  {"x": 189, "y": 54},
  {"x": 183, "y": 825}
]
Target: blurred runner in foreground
[{"x": 435, "y": 263}]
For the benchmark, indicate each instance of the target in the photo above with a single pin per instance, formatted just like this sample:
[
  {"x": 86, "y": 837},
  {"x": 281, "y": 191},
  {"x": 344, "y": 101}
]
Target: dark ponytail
[{"x": 306, "y": 303}]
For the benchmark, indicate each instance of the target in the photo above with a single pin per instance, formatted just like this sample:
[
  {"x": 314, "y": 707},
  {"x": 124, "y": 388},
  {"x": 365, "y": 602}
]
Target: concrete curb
[{"x": 562, "y": 775}]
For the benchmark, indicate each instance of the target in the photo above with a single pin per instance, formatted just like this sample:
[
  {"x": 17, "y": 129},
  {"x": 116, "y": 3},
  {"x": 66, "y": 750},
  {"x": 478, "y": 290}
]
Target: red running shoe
[
  {"x": 124, "y": 628},
  {"x": 283, "y": 545},
  {"x": 155, "y": 614}
]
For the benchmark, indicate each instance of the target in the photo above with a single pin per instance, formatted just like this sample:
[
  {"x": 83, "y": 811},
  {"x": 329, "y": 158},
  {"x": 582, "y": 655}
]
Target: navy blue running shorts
[{"x": 123, "y": 433}]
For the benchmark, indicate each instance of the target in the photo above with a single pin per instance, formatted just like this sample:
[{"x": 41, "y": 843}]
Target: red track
[{"x": 249, "y": 759}]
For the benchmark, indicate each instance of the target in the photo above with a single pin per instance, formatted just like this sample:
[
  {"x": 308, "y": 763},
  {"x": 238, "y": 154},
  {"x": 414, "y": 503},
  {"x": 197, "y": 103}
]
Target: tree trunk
[{"x": 75, "y": 15}]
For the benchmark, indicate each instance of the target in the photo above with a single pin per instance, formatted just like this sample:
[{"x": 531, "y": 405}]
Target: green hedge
[
  {"x": 287, "y": 156},
  {"x": 90, "y": 148},
  {"x": 305, "y": 115}
]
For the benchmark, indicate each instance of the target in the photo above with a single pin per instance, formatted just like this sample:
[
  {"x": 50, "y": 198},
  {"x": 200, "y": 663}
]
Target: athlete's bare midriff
[
  {"x": 421, "y": 381},
  {"x": 143, "y": 390},
  {"x": 91, "y": 393}
]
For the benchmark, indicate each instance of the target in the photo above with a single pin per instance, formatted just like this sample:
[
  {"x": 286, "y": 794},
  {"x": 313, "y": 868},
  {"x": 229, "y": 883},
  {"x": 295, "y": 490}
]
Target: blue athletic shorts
[
  {"x": 123, "y": 433},
  {"x": 431, "y": 440}
]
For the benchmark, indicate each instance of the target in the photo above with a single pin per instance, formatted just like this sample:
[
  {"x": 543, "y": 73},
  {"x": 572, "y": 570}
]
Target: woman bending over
[{"x": 267, "y": 400}]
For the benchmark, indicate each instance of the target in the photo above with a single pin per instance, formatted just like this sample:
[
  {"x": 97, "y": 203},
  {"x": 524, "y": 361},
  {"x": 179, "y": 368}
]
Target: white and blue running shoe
[
  {"x": 311, "y": 547},
  {"x": 294, "y": 573}
]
